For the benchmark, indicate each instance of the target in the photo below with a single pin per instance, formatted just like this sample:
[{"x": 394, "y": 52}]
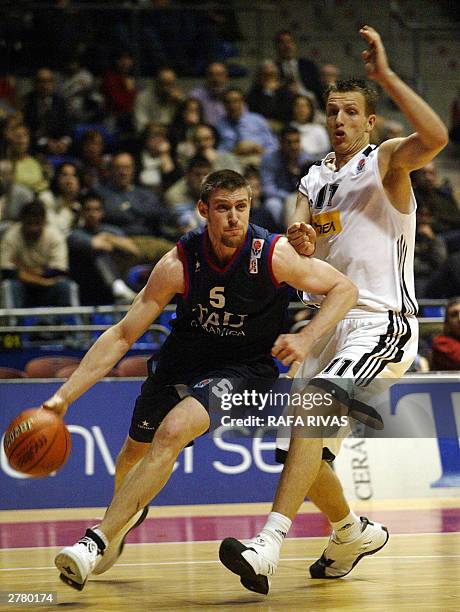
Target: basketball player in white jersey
[{"x": 360, "y": 202}]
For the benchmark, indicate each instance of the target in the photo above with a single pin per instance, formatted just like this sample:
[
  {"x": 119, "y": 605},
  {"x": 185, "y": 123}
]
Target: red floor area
[{"x": 189, "y": 529}]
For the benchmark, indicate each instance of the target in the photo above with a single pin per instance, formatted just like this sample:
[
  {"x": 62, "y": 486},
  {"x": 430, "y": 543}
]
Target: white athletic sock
[
  {"x": 267, "y": 544},
  {"x": 275, "y": 529},
  {"x": 101, "y": 534},
  {"x": 277, "y": 525},
  {"x": 348, "y": 529}
]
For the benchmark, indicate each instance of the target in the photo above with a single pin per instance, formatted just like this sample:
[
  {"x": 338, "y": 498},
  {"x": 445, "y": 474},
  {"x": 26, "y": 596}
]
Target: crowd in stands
[
  {"x": 100, "y": 171},
  {"x": 437, "y": 243},
  {"x": 110, "y": 166}
]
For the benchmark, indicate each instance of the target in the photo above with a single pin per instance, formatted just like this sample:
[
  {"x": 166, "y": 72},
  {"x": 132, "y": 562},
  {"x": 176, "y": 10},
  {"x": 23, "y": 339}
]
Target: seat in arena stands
[
  {"x": 11, "y": 373},
  {"x": 135, "y": 365},
  {"x": 47, "y": 367},
  {"x": 67, "y": 370}
]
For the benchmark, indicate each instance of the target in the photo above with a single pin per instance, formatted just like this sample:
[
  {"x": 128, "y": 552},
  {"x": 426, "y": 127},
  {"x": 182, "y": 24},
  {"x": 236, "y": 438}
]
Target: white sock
[
  {"x": 348, "y": 529},
  {"x": 276, "y": 528},
  {"x": 267, "y": 544},
  {"x": 101, "y": 534}
]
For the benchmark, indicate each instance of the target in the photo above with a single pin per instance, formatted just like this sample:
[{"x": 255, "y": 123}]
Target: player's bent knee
[{"x": 173, "y": 433}]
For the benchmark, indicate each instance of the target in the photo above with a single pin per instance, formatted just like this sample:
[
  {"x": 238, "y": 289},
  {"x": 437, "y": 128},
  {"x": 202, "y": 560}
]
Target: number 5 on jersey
[{"x": 216, "y": 297}]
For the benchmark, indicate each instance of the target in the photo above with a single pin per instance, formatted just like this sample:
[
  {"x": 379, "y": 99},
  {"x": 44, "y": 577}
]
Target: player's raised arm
[
  {"x": 166, "y": 279},
  {"x": 430, "y": 135},
  {"x": 313, "y": 276}
]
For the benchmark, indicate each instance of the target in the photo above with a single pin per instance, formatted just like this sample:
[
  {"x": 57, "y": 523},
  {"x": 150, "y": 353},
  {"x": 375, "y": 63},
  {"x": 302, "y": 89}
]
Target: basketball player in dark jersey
[{"x": 231, "y": 279}]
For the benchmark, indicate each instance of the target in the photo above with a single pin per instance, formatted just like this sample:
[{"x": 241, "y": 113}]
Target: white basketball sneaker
[
  {"x": 253, "y": 562},
  {"x": 115, "y": 547},
  {"x": 339, "y": 558},
  {"x": 78, "y": 561}
]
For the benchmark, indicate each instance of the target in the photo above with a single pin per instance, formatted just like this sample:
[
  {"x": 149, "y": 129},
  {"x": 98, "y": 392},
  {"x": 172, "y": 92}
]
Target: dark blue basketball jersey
[{"x": 226, "y": 314}]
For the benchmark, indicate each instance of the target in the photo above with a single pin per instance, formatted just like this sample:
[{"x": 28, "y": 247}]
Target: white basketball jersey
[{"x": 361, "y": 233}]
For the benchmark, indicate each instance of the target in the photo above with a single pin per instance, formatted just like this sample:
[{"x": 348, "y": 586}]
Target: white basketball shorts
[{"x": 373, "y": 349}]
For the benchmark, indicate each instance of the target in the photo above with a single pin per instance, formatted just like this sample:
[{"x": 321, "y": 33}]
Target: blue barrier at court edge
[{"x": 223, "y": 469}]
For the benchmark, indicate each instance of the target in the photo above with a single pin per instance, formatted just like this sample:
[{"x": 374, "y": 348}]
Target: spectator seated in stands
[
  {"x": 259, "y": 214},
  {"x": 204, "y": 138},
  {"x": 64, "y": 209},
  {"x": 430, "y": 251},
  {"x": 34, "y": 263},
  {"x": 280, "y": 172},
  {"x": 94, "y": 162},
  {"x": 212, "y": 92},
  {"x": 157, "y": 167},
  {"x": 266, "y": 95},
  {"x": 184, "y": 194},
  {"x": 94, "y": 251},
  {"x": 300, "y": 74},
  {"x": 446, "y": 346},
  {"x": 84, "y": 102},
  {"x": 188, "y": 115},
  {"x": 328, "y": 74},
  {"x": 246, "y": 134},
  {"x": 46, "y": 114},
  {"x": 438, "y": 196},
  {"x": 8, "y": 125},
  {"x": 120, "y": 91},
  {"x": 134, "y": 209},
  {"x": 27, "y": 169},
  {"x": 13, "y": 196},
  {"x": 160, "y": 100},
  {"x": 314, "y": 138}
]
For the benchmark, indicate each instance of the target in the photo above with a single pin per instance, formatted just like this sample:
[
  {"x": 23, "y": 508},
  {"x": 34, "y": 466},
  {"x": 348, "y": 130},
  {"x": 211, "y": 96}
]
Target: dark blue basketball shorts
[{"x": 161, "y": 392}]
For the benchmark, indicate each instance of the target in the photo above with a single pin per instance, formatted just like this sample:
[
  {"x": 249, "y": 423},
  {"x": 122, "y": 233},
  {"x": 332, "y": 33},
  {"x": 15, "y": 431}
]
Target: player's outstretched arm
[
  {"x": 313, "y": 276},
  {"x": 166, "y": 279},
  {"x": 430, "y": 136}
]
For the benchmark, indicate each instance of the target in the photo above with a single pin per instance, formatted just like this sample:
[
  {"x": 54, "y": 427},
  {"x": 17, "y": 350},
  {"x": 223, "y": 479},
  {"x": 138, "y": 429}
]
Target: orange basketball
[{"x": 37, "y": 442}]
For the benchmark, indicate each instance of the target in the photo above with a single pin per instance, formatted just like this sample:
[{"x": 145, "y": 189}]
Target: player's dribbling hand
[
  {"x": 56, "y": 404},
  {"x": 302, "y": 236},
  {"x": 375, "y": 57}
]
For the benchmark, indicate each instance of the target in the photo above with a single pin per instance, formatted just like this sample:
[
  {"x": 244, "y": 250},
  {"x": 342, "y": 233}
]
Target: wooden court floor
[{"x": 417, "y": 569}]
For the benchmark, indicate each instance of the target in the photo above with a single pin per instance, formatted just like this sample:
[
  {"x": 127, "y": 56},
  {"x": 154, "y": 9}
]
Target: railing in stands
[
  {"x": 26, "y": 333},
  {"x": 432, "y": 311}
]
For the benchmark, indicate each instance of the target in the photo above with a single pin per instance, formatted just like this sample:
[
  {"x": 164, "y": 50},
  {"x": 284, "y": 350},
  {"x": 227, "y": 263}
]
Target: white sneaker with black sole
[
  {"x": 115, "y": 547},
  {"x": 339, "y": 558},
  {"x": 252, "y": 562},
  {"x": 78, "y": 561}
]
